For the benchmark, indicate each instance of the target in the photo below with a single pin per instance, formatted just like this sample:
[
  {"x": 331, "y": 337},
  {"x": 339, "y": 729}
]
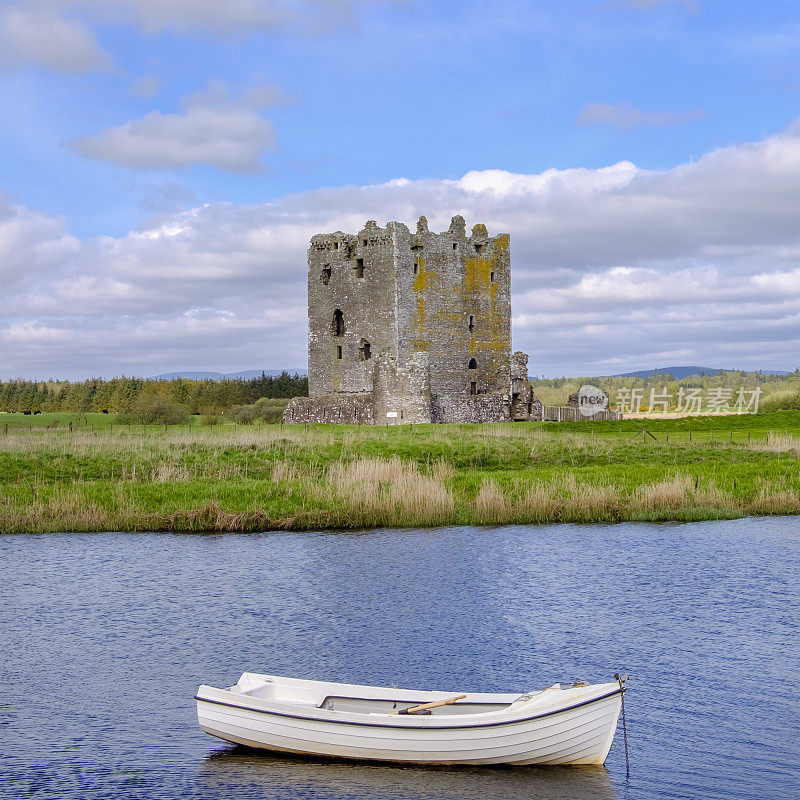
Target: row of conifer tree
[{"x": 122, "y": 394}]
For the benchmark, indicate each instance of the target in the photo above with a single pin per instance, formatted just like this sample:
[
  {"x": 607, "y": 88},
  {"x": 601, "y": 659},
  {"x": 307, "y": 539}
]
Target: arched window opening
[
  {"x": 473, "y": 364},
  {"x": 365, "y": 350},
  {"x": 338, "y": 323},
  {"x": 326, "y": 274}
]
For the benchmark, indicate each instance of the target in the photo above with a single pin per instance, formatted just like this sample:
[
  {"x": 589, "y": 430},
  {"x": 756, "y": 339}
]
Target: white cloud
[
  {"x": 613, "y": 268},
  {"x": 33, "y": 246},
  {"x": 627, "y": 117},
  {"x": 36, "y": 34},
  {"x": 215, "y": 129},
  {"x": 234, "y": 16}
]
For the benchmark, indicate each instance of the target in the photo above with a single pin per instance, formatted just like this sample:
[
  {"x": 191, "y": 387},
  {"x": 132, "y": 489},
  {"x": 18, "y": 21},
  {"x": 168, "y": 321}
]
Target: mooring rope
[{"x": 621, "y": 680}]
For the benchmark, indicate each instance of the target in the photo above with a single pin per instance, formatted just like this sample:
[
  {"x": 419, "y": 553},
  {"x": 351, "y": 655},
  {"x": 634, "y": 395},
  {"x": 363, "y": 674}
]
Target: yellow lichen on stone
[
  {"x": 420, "y": 282},
  {"x": 477, "y": 272}
]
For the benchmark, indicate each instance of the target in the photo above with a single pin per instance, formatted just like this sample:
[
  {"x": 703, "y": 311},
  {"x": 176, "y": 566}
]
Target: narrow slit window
[
  {"x": 365, "y": 350},
  {"x": 416, "y": 267},
  {"x": 338, "y": 351},
  {"x": 326, "y": 274},
  {"x": 359, "y": 268},
  {"x": 491, "y": 277},
  {"x": 473, "y": 387},
  {"x": 365, "y": 242},
  {"x": 471, "y": 323},
  {"x": 338, "y": 323},
  {"x": 336, "y": 245},
  {"x": 455, "y": 246}
]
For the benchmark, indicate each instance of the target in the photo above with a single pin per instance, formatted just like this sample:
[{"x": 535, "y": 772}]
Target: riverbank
[{"x": 289, "y": 477}]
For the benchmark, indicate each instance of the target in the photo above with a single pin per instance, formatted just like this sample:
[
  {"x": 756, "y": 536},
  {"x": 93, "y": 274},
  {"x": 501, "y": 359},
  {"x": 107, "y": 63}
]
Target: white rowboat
[{"x": 559, "y": 725}]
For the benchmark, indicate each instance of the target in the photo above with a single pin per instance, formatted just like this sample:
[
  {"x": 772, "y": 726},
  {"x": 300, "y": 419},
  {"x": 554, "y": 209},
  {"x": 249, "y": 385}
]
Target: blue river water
[{"x": 105, "y": 637}]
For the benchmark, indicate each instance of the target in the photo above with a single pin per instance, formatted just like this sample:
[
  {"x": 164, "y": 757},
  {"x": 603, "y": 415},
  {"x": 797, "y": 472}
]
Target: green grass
[
  {"x": 94, "y": 421},
  {"x": 270, "y": 476}
]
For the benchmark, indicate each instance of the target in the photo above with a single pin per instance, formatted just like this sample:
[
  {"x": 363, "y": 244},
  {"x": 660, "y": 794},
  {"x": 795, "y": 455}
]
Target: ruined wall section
[
  {"x": 490, "y": 407},
  {"x": 458, "y": 309},
  {"x": 353, "y": 409},
  {"x": 524, "y": 404},
  {"x": 356, "y": 276}
]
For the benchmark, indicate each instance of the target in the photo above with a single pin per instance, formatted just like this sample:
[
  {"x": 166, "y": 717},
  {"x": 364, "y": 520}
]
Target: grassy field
[{"x": 231, "y": 478}]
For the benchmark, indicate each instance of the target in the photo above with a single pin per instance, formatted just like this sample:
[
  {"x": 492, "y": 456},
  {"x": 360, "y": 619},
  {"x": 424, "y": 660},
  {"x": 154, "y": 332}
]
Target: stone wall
[
  {"x": 402, "y": 392},
  {"x": 455, "y": 305},
  {"x": 354, "y": 275},
  {"x": 354, "y": 409},
  {"x": 490, "y": 407}
]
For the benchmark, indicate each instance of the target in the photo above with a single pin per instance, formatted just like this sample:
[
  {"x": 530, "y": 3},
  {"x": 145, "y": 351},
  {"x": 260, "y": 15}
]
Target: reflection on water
[{"x": 248, "y": 773}]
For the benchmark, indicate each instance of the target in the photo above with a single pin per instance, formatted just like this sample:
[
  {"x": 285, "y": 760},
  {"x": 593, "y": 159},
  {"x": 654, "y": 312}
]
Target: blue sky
[{"x": 268, "y": 119}]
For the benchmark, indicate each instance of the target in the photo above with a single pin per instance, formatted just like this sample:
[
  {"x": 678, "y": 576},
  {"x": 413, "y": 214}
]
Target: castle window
[
  {"x": 473, "y": 364},
  {"x": 473, "y": 387},
  {"x": 338, "y": 351},
  {"x": 416, "y": 267},
  {"x": 471, "y": 322},
  {"x": 336, "y": 245},
  {"x": 479, "y": 248},
  {"x": 326, "y": 274},
  {"x": 365, "y": 350},
  {"x": 491, "y": 277},
  {"x": 455, "y": 246},
  {"x": 359, "y": 268},
  {"x": 338, "y": 324},
  {"x": 365, "y": 242}
]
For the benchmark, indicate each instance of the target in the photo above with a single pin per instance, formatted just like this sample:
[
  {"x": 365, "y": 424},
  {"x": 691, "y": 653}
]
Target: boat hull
[{"x": 581, "y": 733}]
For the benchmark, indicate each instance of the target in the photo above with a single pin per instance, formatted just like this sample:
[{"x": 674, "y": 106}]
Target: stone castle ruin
[{"x": 412, "y": 327}]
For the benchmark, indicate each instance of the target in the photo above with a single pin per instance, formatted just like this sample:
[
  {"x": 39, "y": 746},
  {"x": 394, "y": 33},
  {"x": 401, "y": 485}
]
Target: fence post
[
  {"x": 667, "y": 437},
  {"x": 690, "y": 435},
  {"x": 5, "y": 429},
  {"x": 748, "y": 437},
  {"x": 70, "y": 426}
]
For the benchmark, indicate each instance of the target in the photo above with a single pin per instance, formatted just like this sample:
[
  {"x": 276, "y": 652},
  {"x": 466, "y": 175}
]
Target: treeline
[{"x": 121, "y": 395}]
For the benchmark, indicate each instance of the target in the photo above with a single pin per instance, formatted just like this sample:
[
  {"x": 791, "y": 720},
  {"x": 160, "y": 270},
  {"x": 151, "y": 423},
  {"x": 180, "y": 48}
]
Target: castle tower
[{"x": 408, "y": 327}]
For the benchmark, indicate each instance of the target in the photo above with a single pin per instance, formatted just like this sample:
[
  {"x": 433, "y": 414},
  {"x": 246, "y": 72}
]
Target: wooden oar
[{"x": 425, "y": 706}]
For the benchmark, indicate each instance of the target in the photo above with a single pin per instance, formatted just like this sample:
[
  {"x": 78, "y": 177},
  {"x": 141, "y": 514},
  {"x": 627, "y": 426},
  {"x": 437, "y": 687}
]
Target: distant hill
[
  {"x": 685, "y": 372},
  {"x": 224, "y": 376}
]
